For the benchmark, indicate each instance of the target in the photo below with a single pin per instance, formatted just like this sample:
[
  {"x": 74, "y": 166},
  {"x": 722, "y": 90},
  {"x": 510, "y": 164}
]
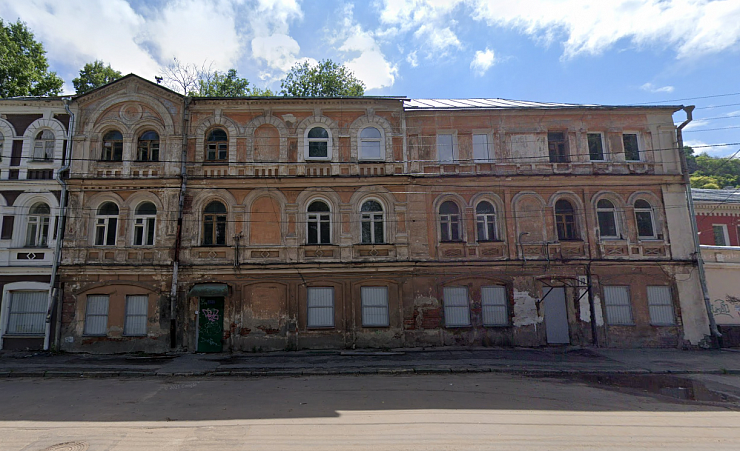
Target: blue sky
[{"x": 576, "y": 51}]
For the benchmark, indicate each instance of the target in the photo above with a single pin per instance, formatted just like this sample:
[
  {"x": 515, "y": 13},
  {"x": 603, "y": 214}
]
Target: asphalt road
[{"x": 417, "y": 412}]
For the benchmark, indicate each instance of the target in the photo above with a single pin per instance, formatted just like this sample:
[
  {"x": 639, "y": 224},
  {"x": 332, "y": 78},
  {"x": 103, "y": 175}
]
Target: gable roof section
[
  {"x": 121, "y": 80},
  {"x": 723, "y": 196}
]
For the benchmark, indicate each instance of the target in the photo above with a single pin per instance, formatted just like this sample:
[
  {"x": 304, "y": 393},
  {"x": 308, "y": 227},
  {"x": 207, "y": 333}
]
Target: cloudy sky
[{"x": 577, "y": 51}]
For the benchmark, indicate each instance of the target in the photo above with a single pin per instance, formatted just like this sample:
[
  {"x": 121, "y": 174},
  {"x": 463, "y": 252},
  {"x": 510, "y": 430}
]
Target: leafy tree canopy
[
  {"x": 215, "y": 84},
  {"x": 326, "y": 79},
  {"x": 24, "y": 70},
  {"x": 713, "y": 172},
  {"x": 94, "y": 75}
]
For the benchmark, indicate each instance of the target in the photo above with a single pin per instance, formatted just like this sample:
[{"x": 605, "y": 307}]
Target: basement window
[
  {"x": 618, "y": 306},
  {"x": 96, "y": 315},
  {"x": 374, "y": 306},
  {"x": 660, "y": 305},
  {"x": 457, "y": 309},
  {"x": 495, "y": 306},
  {"x": 320, "y": 306}
]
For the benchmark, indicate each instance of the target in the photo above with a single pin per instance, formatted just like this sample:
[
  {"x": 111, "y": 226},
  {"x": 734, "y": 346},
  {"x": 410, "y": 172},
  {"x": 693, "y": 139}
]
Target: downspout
[
  {"x": 53, "y": 292},
  {"x": 591, "y": 305},
  {"x": 178, "y": 236},
  {"x": 715, "y": 333}
]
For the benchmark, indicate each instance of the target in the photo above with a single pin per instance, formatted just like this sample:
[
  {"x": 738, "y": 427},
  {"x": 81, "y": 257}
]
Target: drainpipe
[
  {"x": 178, "y": 236},
  {"x": 53, "y": 292},
  {"x": 591, "y": 305},
  {"x": 715, "y": 333}
]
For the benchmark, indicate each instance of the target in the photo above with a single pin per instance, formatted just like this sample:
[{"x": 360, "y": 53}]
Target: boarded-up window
[
  {"x": 320, "y": 304},
  {"x": 96, "y": 315},
  {"x": 266, "y": 143},
  {"x": 264, "y": 222},
  {"x": 457, "y": 311},
  {"x": 374, "y": 306},
  {"x": 136, "y": 315},
  {"x": 618, "y": 306},
  {"x": 660, "y": 305},
  {"x": 27, "y": 312},
  {"x": 495, "y": 306}
]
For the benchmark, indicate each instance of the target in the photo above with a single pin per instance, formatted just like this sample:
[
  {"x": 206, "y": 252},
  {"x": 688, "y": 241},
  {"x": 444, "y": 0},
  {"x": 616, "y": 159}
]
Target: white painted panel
[
  {"x": 27, "y": 312},
  {"x": 96, "y": 315},
  {"x": 618, "y": 305},
  {"x": 660, "y": 305},
  {"x": 495, "y": 306},
  {"x": 374, "y": 306},
  {"x": 320, "y": 304},
  {"x": 136, "y": 315},
  {"x": 457, "y": 310}
]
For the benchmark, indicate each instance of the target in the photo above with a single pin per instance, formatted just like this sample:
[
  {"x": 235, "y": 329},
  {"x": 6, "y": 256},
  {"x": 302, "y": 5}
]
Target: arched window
[
  {"x": 144, "y": 224},
  {"x": 37, "y": 230},
  {"x": 217, "y": 145},
  {"x": 106, "y": 223},
  {"x": 449, "y": 221},
  {"x": 645, "y": 219},
  {"x": 372, "y": 222},
  {"x": 148, "y": 148},
  {"x": 485, "y": 217},
  {"x": 43, "y": 146},
  {"x": 318, "y": 143},
  {"x": 214, "y": 224},
  {"x": 565, "y": 220},
  {"x": 112, "y": 146},
  {"x": 607, "y": 217},
  {"x": 371, "y": 145},
  {"x": 319, "y": 223}
]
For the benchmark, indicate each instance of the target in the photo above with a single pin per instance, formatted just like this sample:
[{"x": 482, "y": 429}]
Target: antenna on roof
[{"x": 158, "y": 78}]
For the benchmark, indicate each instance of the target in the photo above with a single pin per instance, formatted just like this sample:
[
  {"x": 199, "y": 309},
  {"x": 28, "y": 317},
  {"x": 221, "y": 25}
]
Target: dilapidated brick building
[{"x": 209, "y": 224}]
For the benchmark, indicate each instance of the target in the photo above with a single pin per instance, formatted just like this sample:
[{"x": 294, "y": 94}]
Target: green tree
[
  {"x": 215, "y": 84},
  {"x": 690, "y": 159},
  {"x": 94, "y": 75},
  {"x": 714, "y": 173},
  {"x": 24, "y": 70},
  {"x": 326, "y": 79}
]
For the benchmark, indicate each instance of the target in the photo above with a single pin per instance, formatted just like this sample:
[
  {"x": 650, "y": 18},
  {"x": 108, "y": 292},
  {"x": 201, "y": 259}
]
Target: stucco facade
[{"x": 291, "y": 223}]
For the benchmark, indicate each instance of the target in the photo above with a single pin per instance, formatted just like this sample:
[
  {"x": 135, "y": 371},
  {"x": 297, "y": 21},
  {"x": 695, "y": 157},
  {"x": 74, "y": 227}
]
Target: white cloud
[
  {"x": 649, "y": 87},
  {"x": 278, "y": 51},
  {"x": 690, "y": 27},
  {"x": 412, "y": 59},
  {"x": 482, "y": 61},
  {"x": 714, "y": 150},
  {"x": 371, "y": 66}
]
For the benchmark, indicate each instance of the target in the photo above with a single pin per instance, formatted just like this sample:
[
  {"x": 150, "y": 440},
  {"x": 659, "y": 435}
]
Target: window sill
[
  {"x": 318, "y": 160},
  {"x": 145, "y": 161},
  {"x": 40, "y": 335},
  {"x": 109, "y": 161},
  {"x": 320, "y": 328},
  {"x": 387, "y": 326},
  {"x": 468, "y": 326},
  {"x": 370, "y": 161},
  {"x": 451, "y": 242},
  {"x": 216, "y": 163}
]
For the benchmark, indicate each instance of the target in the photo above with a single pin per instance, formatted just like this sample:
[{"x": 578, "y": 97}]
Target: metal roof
[
  {"x": 725, "y": 196},
  {"x": 473, "y": 104}
]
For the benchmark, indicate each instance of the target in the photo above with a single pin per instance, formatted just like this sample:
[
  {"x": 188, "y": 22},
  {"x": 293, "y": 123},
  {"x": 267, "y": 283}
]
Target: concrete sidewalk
[{"x": 541, "y": 361}]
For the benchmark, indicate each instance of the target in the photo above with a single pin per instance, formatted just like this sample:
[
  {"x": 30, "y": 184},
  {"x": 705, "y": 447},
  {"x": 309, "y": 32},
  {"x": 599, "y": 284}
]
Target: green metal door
[{"x": 210, "y": 324}]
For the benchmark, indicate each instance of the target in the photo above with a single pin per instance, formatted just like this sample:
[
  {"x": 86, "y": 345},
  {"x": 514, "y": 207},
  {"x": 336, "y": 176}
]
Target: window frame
[
  {"x": 127, "y": 314},
  {"x": 563, "y": 220},
  {"x": 609, "y": 305},
  {"x": 725, "y": 234},
  {"x": 147, "y": 223},
  {"x": 217, "y": 147},
  {"x": 637, "y": 143},
  {"x": 86, "y": 331},
  {"x": 307, "y": 143},
  {"x": 371, "y": 217},
  {"x": 42, "y": 227},
  {"x": 380, "y": 140},
  {"x": 152, "y": 147},
  {"x": 446, "y": 223},
  {"x": 602, "y": 144},
  {"x": 613, "y": 211},
  {"x": 651, "y": 212},
  {"x": 315, "y": 217},
  {"x": 489, "y": 222},
  {"x": 453, "y": 147},
  {"x": 449, "y": 306},
  {"x": 114, "y": 150},
  {"x": 105, "y": 225},
  {"x": 315, "y": 289},
  {"x": 219, "y": 218},
  {"x": 385, "y": 307},
  {"x": 48, "y": 146},
  {"x": 559, "y": 154},
  {"x": 489, "y": 148}
]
